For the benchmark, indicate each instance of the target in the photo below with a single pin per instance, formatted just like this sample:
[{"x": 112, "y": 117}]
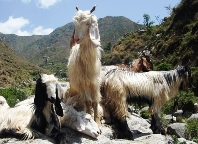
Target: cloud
[
  {"x": 22, "y": 33},
  {"x": 26, "y": 1},
  {"x": 15, "y": 25},
  {"x": 46, "y": 3},
  {"x": 40, "y": 31}
]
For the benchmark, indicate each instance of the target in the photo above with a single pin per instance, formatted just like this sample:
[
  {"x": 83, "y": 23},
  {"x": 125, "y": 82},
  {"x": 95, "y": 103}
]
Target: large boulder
[
  {"x": 177, "y": 129},
  {"x": 138, "y": 125},
  {"x": 193, "y": 116}
]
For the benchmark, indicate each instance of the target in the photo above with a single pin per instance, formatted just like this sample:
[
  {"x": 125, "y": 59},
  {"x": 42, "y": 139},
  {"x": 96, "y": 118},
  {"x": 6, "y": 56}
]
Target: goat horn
[
  {"x": 77, "y": 8},
  {"x": 93, "y": 9}
]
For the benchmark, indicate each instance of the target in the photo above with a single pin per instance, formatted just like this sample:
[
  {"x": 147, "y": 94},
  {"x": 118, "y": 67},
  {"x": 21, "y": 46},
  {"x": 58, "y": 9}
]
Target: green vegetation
[
  {"x": 12, "y": 95},
  {"x": 144, "y": 114},
  {"x": 163, "y": 67},
  {"x": 186, "y": 102},
  {"x": 191, "y": 131},
  {"x": 14, "y": 70}
]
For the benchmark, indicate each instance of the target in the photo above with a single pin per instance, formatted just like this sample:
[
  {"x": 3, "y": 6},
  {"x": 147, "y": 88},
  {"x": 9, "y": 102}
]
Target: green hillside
[
  {"x": 14, "y": 70},
  {"x": 172, "y": 42}
]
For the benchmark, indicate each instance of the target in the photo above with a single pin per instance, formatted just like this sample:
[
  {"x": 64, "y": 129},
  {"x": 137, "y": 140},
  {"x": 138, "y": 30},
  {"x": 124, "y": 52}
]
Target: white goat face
[
  {"x": 51, "y": 90},
  {"x": 50, "y": 82},
  {"x": 87, "y": 125},
  {"x": 82, "y": 21}
]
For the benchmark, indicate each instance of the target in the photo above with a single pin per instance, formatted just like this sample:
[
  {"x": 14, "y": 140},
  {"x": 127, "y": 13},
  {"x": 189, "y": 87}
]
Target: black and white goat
[
  {"x": 32, "y": 120},
  {"x": 121, "y": 87}
]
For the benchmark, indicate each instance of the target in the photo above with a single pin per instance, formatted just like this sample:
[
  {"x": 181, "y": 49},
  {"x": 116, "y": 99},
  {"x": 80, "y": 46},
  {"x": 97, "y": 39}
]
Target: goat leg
[{"x": 59, "y": 136}]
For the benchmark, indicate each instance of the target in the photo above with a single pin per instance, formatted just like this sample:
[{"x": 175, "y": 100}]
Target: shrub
[
  {"x": 168, "y": 108},
  {"x": 186, "y": 102},
  {"x": 191, "y": 130},
  {"x": 180, "y": 119},
  {"x": 144, "y": 114},
  {"x": 163, "y": 67},
  {"x": 12, "y": 95}
]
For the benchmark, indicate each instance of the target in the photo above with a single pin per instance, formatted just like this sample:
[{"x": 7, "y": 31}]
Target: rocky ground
[{"x": 139, "y": 126}]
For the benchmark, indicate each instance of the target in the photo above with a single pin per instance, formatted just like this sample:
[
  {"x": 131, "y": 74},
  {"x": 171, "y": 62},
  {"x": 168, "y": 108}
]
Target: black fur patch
[
  {"x": 40, "y": 123},
  {"x": 140, "y": 99},
  {"x": 170, "y": 78},
  {"x": 41, "y": 96},
  {"x": 58, "y": 107},
  {"x": 7, "y": 133},
  {"x": 123, "y": 129},
  {"x": 156, "y": 125}
]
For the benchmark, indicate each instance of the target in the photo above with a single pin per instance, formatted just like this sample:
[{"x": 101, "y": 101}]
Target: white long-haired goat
[
  {"x": 30, "y": 120},
  {"x": 155, "y": 88},
  {"x": 84, "y": 63},
  {"x": 78, "y": 120}
]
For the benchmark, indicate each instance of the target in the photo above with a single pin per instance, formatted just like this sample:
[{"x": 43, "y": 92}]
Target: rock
[
  {"x": 193, "y": 116},
  {"x": 177, "y": 129},
  {"x": 145, "y": 108},
  {"x": 196, "y": 107},
  {"x": 178, "y": 113},
  {"x": 182, "y": 140},
  {"x": 139, "y": 126},
  {"x": 170, "y": 118}
]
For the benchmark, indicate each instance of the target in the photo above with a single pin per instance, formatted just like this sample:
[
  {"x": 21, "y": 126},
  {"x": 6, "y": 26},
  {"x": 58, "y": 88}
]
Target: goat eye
[
  {"x": 89, "y": 120},
  {"x": 87, "y": 24}
]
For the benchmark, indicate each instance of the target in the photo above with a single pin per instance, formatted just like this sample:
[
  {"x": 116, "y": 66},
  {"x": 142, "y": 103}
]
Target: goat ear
[
  {"x": 94, "y": 34},
  {"x": 58, "y": 107},
  {"x": 59, "y": 110},
  {"x": 40, "y": 95},
  {"x": 72, "y": 41}
]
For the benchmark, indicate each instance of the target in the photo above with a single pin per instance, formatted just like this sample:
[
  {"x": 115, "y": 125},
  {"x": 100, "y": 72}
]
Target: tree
[
  {"x": 107, "y": 47},
  {"x": 148, "y": 23}
]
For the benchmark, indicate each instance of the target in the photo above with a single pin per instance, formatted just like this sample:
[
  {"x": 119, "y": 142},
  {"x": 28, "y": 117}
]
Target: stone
[{"x": 177, "y": 129}]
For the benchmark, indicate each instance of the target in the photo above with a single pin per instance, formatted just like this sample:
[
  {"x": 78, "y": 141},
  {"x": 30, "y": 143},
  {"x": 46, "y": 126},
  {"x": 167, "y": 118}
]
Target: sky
[{"x": 41, "y": 17}]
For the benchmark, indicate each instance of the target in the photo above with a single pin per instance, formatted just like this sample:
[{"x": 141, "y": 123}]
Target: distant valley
[{"x": 52, "y": 51}]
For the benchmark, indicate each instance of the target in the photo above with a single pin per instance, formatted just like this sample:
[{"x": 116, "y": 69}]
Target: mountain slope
[
  {"x": 52, "y": 51},
  {"x": 171, "y": 43},
  {"x": 19, "y": 42},
  {"x": 111, "y": 28},
  {"x": 15, "y": 71}
]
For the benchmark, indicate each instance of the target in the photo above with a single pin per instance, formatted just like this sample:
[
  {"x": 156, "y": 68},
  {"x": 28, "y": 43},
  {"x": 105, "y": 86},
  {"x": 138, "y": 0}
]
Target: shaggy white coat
[
  {"x": 84, "y": 63},
  {"x": 120, "y": 85}
]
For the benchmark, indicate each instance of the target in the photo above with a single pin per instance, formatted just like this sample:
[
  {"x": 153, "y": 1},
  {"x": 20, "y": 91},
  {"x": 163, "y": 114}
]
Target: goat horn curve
[{"x": 93, "y": 9}]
